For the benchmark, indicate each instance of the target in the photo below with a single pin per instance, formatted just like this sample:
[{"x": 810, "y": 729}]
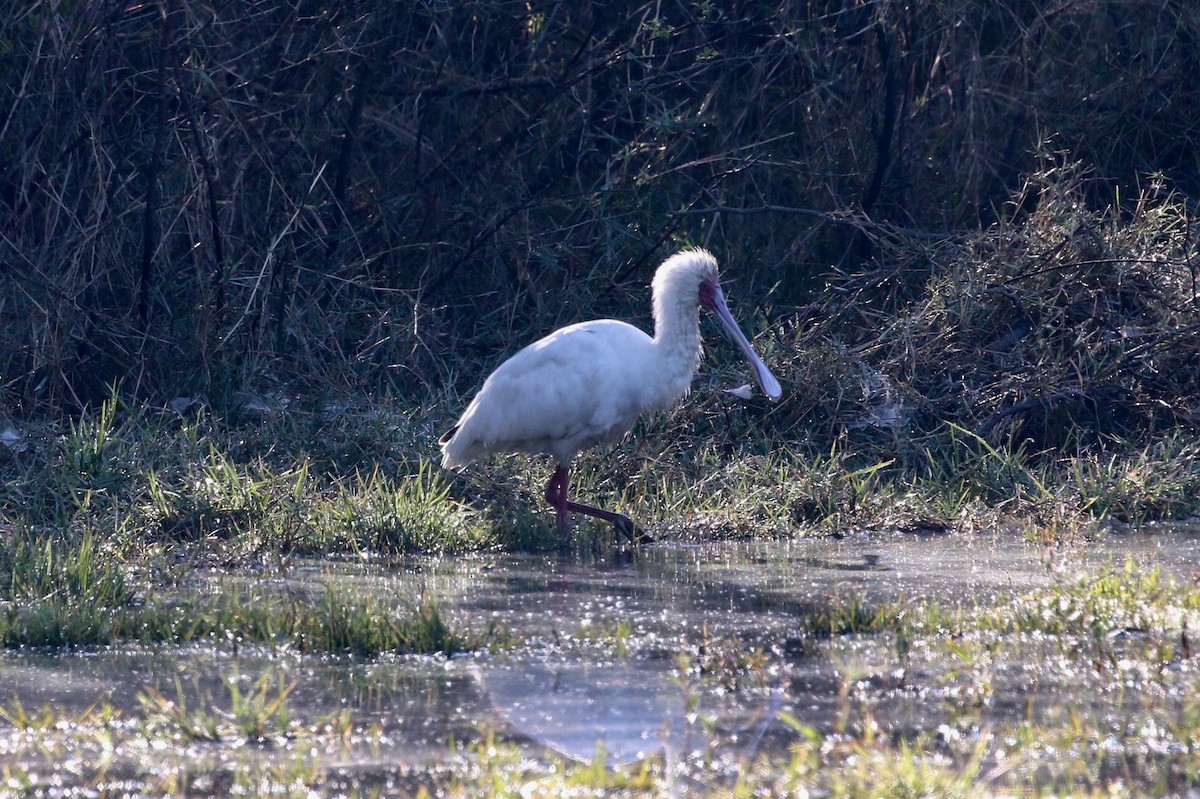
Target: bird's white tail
[{"x": 453, "y": 456}]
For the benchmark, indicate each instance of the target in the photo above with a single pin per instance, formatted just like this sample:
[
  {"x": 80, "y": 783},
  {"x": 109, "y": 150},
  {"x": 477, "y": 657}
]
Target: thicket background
[{"x": 208, "y": 197}]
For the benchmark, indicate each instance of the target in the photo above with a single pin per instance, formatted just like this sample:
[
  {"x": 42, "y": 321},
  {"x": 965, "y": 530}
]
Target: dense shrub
[
  {"x": 1076, "y": 326},
  {"x": 202, "y": 197}
]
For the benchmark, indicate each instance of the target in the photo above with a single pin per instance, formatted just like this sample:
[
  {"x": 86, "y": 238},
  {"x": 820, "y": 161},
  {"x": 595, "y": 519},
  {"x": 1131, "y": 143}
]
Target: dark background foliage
[{"x": 199, "y": 197}]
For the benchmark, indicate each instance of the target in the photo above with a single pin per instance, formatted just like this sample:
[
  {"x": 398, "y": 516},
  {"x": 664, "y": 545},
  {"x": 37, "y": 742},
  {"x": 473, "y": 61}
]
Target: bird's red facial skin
[{"x": 708, "y": 293}]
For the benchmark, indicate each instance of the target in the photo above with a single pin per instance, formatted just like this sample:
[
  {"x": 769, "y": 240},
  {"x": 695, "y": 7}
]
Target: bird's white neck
[{"x": 677, "y": 343}]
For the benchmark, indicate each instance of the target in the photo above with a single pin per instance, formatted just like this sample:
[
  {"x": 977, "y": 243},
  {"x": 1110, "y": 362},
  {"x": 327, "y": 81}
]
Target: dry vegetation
[
  {"x": 951, "y": 210},
  {"x": 1071, "y": 326}
]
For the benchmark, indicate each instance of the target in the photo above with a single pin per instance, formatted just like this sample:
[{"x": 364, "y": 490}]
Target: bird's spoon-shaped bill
[{"x": 714, "y": 298}]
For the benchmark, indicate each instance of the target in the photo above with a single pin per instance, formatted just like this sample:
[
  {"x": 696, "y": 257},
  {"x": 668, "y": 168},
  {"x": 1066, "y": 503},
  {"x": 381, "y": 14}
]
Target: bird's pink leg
[{"x": 556, "y": 495}]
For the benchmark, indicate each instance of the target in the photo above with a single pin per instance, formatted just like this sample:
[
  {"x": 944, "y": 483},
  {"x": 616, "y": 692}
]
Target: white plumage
[{"x": 586, "y": 384}]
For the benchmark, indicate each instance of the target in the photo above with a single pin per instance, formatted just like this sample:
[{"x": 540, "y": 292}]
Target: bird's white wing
[{"x": 579, "y": 386}]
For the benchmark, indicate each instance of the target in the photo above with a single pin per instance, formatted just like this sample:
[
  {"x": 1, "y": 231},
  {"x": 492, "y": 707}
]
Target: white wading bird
[{"x": 587, "y": 384}]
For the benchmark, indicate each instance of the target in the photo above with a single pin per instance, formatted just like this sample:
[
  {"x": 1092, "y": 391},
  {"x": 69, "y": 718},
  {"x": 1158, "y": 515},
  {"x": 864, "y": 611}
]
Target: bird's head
[{"x": 688, "y": 280}]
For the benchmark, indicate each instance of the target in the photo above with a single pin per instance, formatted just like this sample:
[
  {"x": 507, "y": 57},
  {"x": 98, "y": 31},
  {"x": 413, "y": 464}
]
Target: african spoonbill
[{"x": 586, "y": 384}]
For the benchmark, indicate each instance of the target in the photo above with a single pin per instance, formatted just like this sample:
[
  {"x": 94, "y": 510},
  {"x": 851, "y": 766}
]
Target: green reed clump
[
  {"x": 59, "y": 592},
  {"x": 1160, "y": 481},
  {"x": 381, "y": 515},
  {"x": 328, "y": 623},
  {"x": 1100, "y": 604}
]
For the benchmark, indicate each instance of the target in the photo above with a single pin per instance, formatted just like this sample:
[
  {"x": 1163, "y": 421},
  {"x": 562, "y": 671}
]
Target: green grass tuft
[
  {"x": 62, "y": 594},
  {"x": 379, "y": 515}
]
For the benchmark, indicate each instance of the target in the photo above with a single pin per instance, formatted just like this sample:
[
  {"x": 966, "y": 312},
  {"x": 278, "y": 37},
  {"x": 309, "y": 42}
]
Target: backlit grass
[
  {"x": 107, "y": 517},
  {"x": 62, "y": 593},
  {"x": 1104, "y": 603}
]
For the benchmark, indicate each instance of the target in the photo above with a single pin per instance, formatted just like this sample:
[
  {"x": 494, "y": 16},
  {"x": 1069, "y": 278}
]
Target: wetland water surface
[{"x": 717, "y": 650}]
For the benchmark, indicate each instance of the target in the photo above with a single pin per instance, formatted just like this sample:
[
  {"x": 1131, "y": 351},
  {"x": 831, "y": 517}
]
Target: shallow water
[{"x": 676, "y": 648}]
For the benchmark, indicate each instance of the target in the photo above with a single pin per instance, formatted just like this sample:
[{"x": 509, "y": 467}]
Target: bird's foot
[{"x": 636, "y": 535}]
